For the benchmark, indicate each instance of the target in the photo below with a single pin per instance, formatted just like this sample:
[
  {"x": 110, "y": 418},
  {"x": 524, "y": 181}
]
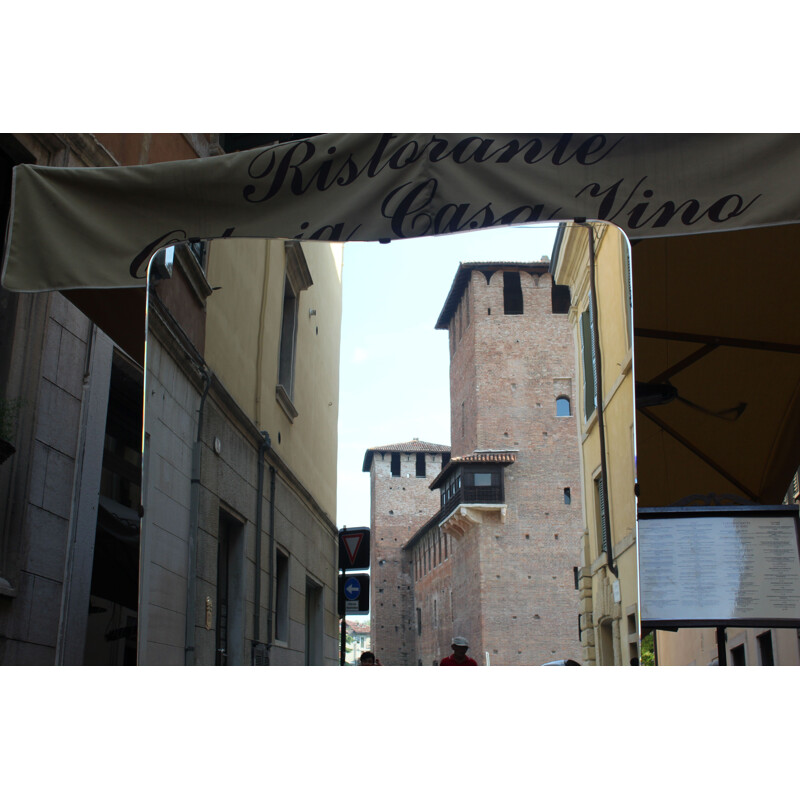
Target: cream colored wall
[
  {"x": 616, "y": 355},
  {"x": 243, "y": 330},
  {"x": 698, "y": 646}
]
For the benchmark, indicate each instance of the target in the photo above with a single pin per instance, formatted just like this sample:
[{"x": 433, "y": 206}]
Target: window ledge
[{"x": 282, "y": 396}]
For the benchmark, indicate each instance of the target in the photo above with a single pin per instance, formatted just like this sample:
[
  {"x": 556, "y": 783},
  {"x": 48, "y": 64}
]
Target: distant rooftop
[
  {"x": 414, "y": 446},
  {"x": 465, "y": 268}
]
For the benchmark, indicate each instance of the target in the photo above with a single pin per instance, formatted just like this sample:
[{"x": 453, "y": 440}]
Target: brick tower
[
  {"x": 509, "y": 498},
  {"x": 400, "y": 475}
]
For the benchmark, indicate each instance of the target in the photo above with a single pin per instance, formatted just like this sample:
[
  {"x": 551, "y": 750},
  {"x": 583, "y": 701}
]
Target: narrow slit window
[
  {"x": 512, "y": 293},
  {"x": 420, "y": 465}
]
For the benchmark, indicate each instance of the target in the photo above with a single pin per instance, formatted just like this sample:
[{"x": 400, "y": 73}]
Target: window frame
[
  {"x": 588, "y": 362},
  {"x": 297, "y": 278}
]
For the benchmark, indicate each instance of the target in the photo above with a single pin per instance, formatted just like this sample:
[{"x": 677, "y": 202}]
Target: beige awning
[
  {"x": 96, "y": 227},
  {"x": 716, "y": 319}
]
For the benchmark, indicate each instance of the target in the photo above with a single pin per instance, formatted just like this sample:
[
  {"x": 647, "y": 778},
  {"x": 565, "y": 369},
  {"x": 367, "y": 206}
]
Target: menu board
[{"x": 712, "y": 566}]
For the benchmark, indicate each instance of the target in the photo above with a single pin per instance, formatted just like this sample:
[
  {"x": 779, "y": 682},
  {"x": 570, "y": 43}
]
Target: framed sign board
[{"x": 714, "y": 566}]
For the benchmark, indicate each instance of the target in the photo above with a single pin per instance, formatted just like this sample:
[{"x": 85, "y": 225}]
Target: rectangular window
[
  {"x": 230, "y": 591},
  {"x": 765, "y": 653},
  {"x": 313, "y": 624},
  {"x": 588, "y": 362},
  {"x": 281, "y": 596},
  {"x": 512, "y": 293},
  {"x": 738, "y": 656},
  {"x": 628, "y": 295},
  {"x": 396, "y": 465},
  {"x": 419, "y": 622},
  {"x": 288, "y": 339},
  {"x": 600, "y": 515},
  {"x": 420, "y": 465},
  {"x": 482, "y": 479}
]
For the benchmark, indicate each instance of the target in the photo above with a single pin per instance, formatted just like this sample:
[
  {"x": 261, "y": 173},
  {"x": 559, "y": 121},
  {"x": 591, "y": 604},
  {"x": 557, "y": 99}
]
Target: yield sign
[{"x": 353, "y": 548}]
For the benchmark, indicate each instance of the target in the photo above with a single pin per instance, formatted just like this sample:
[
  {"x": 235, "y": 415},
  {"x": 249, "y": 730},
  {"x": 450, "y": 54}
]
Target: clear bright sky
[{"x": 394, "y": 382}]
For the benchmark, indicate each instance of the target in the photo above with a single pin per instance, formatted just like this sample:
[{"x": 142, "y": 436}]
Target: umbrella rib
[
  {"x": 689, "y": 446},
  {"x": 688, "y": 361},
  {"x": 756, "y": 344}
]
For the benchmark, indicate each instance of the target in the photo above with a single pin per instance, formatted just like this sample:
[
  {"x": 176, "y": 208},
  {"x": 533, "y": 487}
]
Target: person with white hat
[{"x": 459, "y": 658}]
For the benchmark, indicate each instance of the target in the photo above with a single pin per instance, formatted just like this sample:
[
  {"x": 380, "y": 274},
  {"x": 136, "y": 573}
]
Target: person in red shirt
[{"x": 459, "y": 658}]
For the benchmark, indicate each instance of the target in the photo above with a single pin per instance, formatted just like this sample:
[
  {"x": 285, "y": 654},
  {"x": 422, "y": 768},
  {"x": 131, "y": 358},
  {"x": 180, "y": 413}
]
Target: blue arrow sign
[{"x": 352, "y": 588}]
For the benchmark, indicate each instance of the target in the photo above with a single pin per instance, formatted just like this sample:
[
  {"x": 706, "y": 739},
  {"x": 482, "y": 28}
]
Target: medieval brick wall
[
  {"x": 512, "y": 579},
  {"x": 400, "y": 505},
  {"x": 433, "y": 559}
]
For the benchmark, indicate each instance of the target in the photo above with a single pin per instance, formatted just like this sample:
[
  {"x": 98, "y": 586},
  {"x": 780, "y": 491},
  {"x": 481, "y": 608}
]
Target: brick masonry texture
[
  {"x": 400, "y": 505},
  {"x": 509, "y": 585}
]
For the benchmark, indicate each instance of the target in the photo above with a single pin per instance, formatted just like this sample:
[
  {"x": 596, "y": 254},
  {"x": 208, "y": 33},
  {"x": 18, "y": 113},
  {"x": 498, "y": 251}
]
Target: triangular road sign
[
  {"x": 352, "y": 543},
  {"x": 354, "y": 548}
]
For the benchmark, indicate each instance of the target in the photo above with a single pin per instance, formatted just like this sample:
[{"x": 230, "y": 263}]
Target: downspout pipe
[
  {"x": 599, "y": 394},
  {"x": 194, "y": 515},
  {"x": 265, "y": 445}
]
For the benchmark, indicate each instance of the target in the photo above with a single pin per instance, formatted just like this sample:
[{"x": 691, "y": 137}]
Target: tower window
[
  {"x": 396, "y": 464},
  {"x": 512, "y": 293},
  {"x": 567, "y": 496},
  {"x": 563, "y": 407},
  {"x": 420, "y": 465}
]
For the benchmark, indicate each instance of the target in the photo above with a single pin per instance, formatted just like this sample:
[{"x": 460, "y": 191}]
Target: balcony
[{"x": 471, "y": 494}]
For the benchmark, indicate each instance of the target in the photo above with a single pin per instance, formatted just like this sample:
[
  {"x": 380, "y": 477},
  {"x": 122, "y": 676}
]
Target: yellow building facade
[
  {"x": 248, "y": 347},
  {"x": 596, "y": 271}
]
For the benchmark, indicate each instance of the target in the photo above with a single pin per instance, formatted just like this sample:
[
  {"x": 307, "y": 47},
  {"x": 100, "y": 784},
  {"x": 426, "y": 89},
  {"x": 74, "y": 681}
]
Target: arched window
[{"x": 563, "y": 408}]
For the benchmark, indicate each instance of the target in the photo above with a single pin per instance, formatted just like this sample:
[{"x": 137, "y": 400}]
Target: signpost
[
  {"x": 353, "y": 594},
  {"x": 353, "y": 582},
  {"x": 353, "y": 549}
]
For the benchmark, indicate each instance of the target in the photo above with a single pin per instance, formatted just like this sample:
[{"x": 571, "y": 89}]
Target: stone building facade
[
  {"x": 400, "y": 501},
  {"x": 210, "y": 539},
  {"x": 498, "y": 562}
]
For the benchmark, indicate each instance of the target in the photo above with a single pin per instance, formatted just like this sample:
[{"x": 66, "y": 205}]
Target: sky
[{"x": 394, "y": 381}]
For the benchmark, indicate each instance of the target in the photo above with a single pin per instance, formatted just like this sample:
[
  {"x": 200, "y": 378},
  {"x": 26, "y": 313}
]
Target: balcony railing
[{"x": 473, "y": 495}]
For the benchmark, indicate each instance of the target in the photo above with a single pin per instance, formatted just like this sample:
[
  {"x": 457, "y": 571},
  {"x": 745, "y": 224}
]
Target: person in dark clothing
[{"x": 459, "y": 658}]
